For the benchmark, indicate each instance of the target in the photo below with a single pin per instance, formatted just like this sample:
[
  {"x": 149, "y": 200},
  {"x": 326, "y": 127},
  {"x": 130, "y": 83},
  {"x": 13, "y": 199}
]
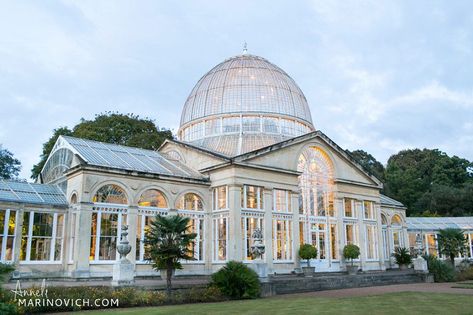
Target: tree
[
  {"x": 169, "y": 241},
  {"x": 369, "y": 163},
  {"x": 307, "y": 252},
  {"x": 451, "y": 242},
  {"x": 123, "y": 129},
  {"x": 9, "y": 166},
  {"x": 429, "y": 180}
]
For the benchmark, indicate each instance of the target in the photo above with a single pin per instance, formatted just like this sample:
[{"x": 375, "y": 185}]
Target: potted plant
[
  {"x": 402, "y": 257},
  {"x": 351, "y": 252},
  {"x": 308, "y": 252}
]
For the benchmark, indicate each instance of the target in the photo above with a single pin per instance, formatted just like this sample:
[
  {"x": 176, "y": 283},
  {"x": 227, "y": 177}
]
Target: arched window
[
  {"x": 74, "y": 199},
  {"x": 396, "y": 220},
  {"x": 111, "y": 194},
  {"x": 153, "y": 198},
  {"x": 190, "y": 201},
  {"x": 384, "y": 220},
  {"x": 316, "y": 183}
]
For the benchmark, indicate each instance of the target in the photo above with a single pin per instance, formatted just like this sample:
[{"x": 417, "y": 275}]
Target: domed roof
[{"x": 244, "y": 95}]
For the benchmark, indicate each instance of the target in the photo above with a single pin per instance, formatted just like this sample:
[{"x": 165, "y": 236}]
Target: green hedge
[{"x": 127, "y": 297}]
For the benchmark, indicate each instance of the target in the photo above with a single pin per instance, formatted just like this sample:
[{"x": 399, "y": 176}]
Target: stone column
[
  {"x": 18, "y": 234},
  {"x": 338, "y": 204},
  {"x": 234, "y": 228},
  {"x": 379, "y": 228},
  {"x": 363, "y": 249},
  {"x": 132, "y": 222},
  {"x": 82, "y": 241},
  {"x": 294, "y": 204},
  {"x": 268, "y": 228}
]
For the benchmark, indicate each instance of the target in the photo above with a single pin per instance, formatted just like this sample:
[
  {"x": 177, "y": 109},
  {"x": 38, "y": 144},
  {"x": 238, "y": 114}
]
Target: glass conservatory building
[{"x": 247, "y": 156}]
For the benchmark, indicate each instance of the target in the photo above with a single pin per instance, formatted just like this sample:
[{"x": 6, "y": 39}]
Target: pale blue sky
[{"x": 379, "y": 75}]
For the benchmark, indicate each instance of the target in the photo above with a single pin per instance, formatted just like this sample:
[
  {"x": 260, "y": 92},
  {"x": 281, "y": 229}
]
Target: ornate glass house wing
[
  {"x": 31, "y": 193},
  {"x": 111, "y": 156},
  {"x": 438, "y": 223}
]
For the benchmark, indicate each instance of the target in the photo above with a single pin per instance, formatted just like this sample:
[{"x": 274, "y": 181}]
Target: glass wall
[
  {"x": 220, "y": 198},
  {"x": 108, "y": 215},
  {"x": 282, "y": 239},
  {"x": 7, "y": 237},
  {"x": 249, "y": 223},
  {"x": 220, "y": 234},
  {"x": 42, "y": 236},
  {"x": 371, "y": 242},
  {"x": 252, "y": 197},
  {"x": 190, "y": 205}
]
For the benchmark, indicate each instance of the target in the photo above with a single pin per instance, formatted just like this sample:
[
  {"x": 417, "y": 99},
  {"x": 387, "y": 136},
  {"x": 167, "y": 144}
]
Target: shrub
[
  {"x": 402, "y": 256},
  {"x": 351, "y": 252},
  {"x": 5, "y": 307},
  {"x": 443, "y": 272},
  {"x": 308, "y": 252},
  {"x": 237, "y": 281}
]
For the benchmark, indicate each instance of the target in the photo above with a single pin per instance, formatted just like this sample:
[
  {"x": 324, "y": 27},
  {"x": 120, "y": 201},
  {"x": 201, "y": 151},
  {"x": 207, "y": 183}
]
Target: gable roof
[
  {"x": 195, "y": 147},
  {"x": 31, "y": 193},
  {"x": 125, "y": 158},
  {"x": 387, "y": 201}
]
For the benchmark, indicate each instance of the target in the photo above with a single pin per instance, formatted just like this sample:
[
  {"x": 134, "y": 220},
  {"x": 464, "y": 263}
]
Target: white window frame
[
  {"x": 53, "y": 240},
  {"x": 122, "y": 211},
  {"x": 6, "y": 235},
  {"x": 215, "y": 242},
  {"x": 259, "y": 224},
  {"x": 353, "y": 207},
  {"x": 287, "y": 196},
  {"x": 215, "y": 197},
  {"x": 259, "y": 196},
  {"x": 372, "y": 211},
  {"x": 375, "y": 239},
  {"x": 288, "y": 227}
]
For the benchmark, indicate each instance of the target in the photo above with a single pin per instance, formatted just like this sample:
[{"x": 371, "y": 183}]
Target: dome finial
[{"x": 245, "y": 48}]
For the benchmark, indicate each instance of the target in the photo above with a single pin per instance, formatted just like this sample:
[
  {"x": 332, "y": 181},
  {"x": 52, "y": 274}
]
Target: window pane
[{"x": 152, "y": 198}]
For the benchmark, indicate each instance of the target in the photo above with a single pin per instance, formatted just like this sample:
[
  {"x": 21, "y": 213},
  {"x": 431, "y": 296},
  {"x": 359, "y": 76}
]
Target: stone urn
[
  {"x": 352, "y": 270},
  {"x": 308, "y": 271},
  {"x": 403, "y": 267}
]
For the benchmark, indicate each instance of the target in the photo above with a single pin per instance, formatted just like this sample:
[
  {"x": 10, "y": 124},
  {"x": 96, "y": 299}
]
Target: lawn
[{"x": 391, "y": 303}]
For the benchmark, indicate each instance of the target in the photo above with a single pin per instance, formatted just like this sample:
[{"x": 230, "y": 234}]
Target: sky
[{"x": 381, "y": 76}]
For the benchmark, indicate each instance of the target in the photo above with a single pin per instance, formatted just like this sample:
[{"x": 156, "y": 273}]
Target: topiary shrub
[
  {"x": 402, "y": 256},
  {"x": 351, "y": 252},
  {"x": 443, "y": 272},
  {"x": 307, "y": 252},
  {"x": 236, "y": 281}
]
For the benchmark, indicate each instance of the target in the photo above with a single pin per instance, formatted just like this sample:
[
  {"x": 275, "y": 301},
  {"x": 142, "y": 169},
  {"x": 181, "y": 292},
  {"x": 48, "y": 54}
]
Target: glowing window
[
  {"x": 111, "y": 194},
  {"x": 153, "y": 198}
]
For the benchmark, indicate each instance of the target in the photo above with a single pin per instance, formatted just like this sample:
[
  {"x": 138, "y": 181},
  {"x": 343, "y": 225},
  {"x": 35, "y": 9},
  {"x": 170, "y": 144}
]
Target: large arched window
[
  {"x": 108, "y": 216},
  {"x": 396, "y": 220},
  {"x": 316, "y": 199},
  {"x": 384, "y": 220},
  {"x": 153, "y": 198},
  {"x": 396, "y": 231},
  {"x": 111, "y": 194},
  {"x": 316, "y": 183},
  {"x": 190, "y": 201}
]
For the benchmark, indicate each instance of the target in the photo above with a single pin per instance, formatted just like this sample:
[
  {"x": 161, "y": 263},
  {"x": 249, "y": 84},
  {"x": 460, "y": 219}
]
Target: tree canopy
[
  {"x": 9, "y": 166},
  {"x": 430, "y": 181},
  {"x": 369, "y": 163},
  {"x": 125, "y": 129}
]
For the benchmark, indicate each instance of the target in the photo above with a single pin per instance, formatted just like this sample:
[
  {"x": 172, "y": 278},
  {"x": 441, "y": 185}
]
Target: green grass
[{"x": 391, "y": 303}]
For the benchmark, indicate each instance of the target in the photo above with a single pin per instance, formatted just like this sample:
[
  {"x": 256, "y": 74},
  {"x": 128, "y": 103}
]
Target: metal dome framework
[{"x": 243, "y": 104}]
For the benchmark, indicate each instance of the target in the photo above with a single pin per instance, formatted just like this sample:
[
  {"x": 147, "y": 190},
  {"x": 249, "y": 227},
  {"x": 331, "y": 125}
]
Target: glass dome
[{"x": 243, "y": 104}]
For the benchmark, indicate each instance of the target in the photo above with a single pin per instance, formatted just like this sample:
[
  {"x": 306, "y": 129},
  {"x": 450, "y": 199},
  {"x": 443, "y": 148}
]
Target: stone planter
[
  {"x": 403, "y": 267},
  {"x": 352, "y": 270},
  {"x": 308, "y": 271}
]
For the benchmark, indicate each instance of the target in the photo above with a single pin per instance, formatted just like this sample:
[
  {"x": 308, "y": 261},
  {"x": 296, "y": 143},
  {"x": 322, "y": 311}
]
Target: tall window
[
  {"x": 368, "y": 207},
  {"x": 349, "y": 205},
  {"x": 371, "y": 242},
  {"x": 333, "y": 241},
  {"x": 42, "y": 236},
  {"x": 318, "y": 238},
  {"x": 351, "y": 234},
  {"x": 220, "y": 233},
  {"x": 220, "y": 198},
  {"x": 72, "y": 236},
  {"x": 316, "y": 183},
  {"x": 282, "y": 239},
  {"x": 191, "y": 206},
  {"x": 281, "y": 201},
  {"x": 252, "y": 197},
  {"x": 7, "y": 236},
  {"x": 151, "y": 203},
  {"x": 248, "y": 225},
  {"x": 108, "y": 216}
]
